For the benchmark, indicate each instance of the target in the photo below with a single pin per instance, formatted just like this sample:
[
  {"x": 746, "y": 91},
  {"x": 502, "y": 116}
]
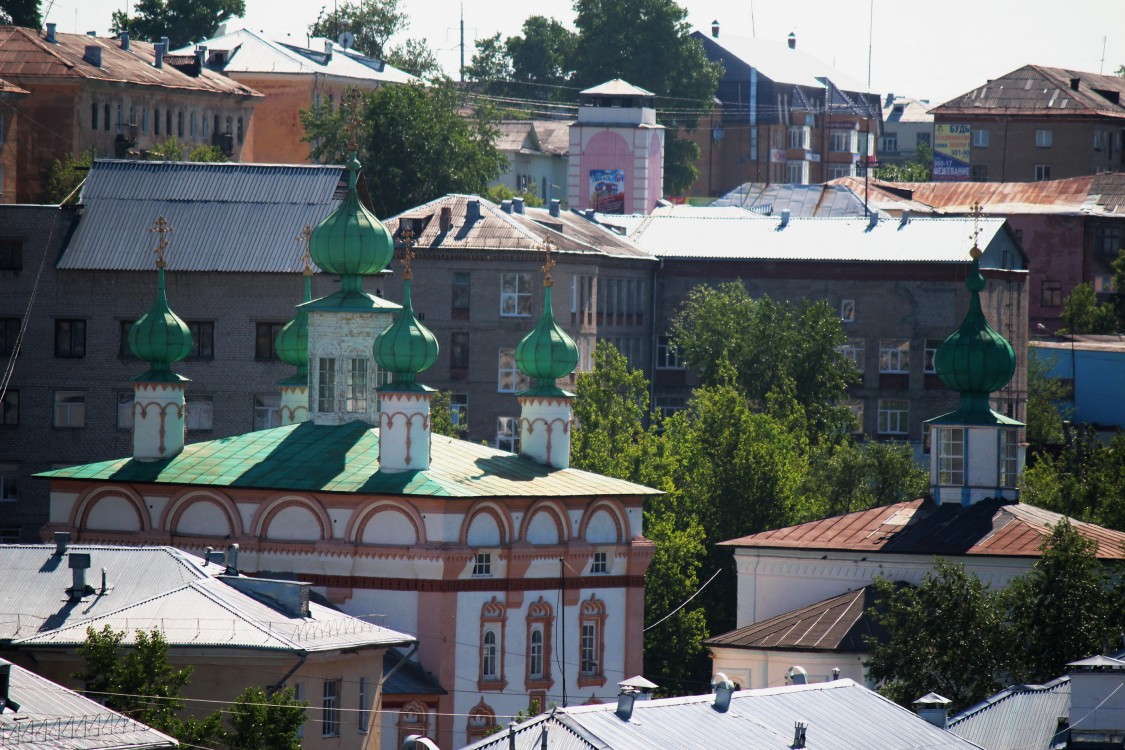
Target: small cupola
[
  {"x": 160, "y": 338},
  {"x": 546, "y": 354},
  {"x": 292, "y": 346}
]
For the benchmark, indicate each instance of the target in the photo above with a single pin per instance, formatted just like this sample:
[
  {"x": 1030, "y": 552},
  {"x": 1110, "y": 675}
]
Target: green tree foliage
[
  {"x": 544, "y": 56},
  {"x": 847, "y": 476},
  {"x": 415, "y": 57},
  {"x": 1119, "y": 288},
  {"x": 1085, "y": 481},
  {"x": 372, "y": 22},
  {"x": 24, "y": 13},
  {"x": 1044, "y": 417},
  {"x": 415, "y": 145},
  {"x": 206, "y": 153},
  {"x": 766, "y": 342},
  {"x": 912, "y": 171},
  {"x": 490, "y": 66},
  {"x": 261, "y": 721},
  {"x": 1082, "y": 313},
  {"x": 441, "y": 417},
  {"x": 182, "y": 21},
  {"x": 945, "y": 635},
  {"x": 499, "y": 193},
  {"x": 66, "y": 175}
]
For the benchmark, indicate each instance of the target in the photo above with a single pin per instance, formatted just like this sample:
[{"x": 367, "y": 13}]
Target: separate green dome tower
[
  {"x": 546, "y": 354},
  {"x": 160, "y": 338},
  {"x": 975, "y": 452}
]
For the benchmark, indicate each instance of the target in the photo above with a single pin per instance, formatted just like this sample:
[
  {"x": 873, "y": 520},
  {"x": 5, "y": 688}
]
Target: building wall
[
  {"x": 9, "y": 138},
  {"x": 757, "y": 668},
  {"x": 545, "y": 173},
  {"x": 1095, "y": 373},
  {"x": 1053, "y": 246}
]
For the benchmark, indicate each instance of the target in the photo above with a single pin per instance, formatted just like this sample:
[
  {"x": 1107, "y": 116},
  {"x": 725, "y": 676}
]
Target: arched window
[
  {"x": 481, "y": 723},
  {"x": 591, "y": 643},
  {"x": 535, "y": 653},
  {"x": 493, "y": 619},
  {"x": 540, "y": 626},
  {"x": 488, "y": 656}
]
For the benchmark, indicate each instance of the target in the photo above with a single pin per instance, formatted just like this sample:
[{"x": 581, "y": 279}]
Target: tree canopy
[
  {"x": 371, "y": 22},
  {"x": 182, "y": 21},
  {"x": 24, "y": 13}
]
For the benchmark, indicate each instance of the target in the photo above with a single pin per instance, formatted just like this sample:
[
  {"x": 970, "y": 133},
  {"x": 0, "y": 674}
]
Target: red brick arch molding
[
  {"x": 268, "y": 511},
  {"x": 555, "y": 511},
  {"x": 498, "y": 513},
  {"x": 80, "y": 514},
  {"x": 614, "y": 513},
  {"x": 183, "y": 500},
  {"x": 358, "y": 521}
]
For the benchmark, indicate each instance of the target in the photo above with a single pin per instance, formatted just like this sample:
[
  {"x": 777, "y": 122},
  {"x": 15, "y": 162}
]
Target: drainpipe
[
  {"x": 375, "y": 727},
  {"x": 281, "y": 683}
]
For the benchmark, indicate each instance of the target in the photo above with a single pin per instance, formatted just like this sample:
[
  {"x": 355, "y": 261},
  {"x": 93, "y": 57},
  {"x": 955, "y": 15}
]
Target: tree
[
  {"x": 1118, "y": 267},
  {"x": 372, "y": 22},
  {"x": 1044, "y": 417},
  {"x": 912, "y": 171},
  {"x": 490, "y": 66},
  {"x": 415, "y": 57},
  {"x": 945, "y": 635},
  {"x": 846, "y": 477},
  {"x": 266, "y": 721},
  {"x": 1082, "y": 313},
  {"x": 24, "y": 13},
  {"x": 543, "y": 57},
  {"x": 441, "y": 417},
  {"x": 182, "y": 21},
  {"x": 499, "y": 193},
  {"x": 1085, "y": 481},
  {"x": 66, "y": 175},
  {"x": 415, "y": 145}
]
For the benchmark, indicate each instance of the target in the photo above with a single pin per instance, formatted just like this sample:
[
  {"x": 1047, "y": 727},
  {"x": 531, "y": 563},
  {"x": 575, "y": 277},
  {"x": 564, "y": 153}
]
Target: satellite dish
[{"x": 346, "y": 39}]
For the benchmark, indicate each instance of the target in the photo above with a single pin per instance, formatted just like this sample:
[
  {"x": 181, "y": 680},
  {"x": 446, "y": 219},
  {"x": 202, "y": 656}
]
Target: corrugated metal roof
[
  {"x": 550, "y": 137},
  {"x": 802, "y": 201},
  {"x": 836, "y": 624},
  {"x": 908, "y": 110},
  {"x": 989, "y": 527},
  {"x": 345, "y": 458},
  {"x": 839, "y": 715},
  {"x": 777, "y": 62},
  {"x": 227, "y": 217},
  {"x": 1023, "y": 717},
  {"x": 52, "y": 717},
  {"x": 1042, "y": 91}
]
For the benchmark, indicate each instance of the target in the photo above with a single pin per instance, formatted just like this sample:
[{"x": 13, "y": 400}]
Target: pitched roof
[
  {"x": 409, "y": 678},
  {"x": 345, "y": 458},
  {"x": 616, "y": 87},
  {"x": 26, "y": 55},
  {"x": 7, "y": 88},
  {"x": 805, "y": 201},
  {"x": 1042, "y": 91},
  {"x": 837, "y": 624},
  {"x": 1022, "y": 716},
  {"x": 917, "y": 527},
  {"x": 839, "y": 715},
  {"x": 227, "y": 217},
  {"x": 534, "y": 136},
  {"x": 779, "y": 63},
  {"x": 51, "y": 717},
  {"x": 906, "y": 109}
]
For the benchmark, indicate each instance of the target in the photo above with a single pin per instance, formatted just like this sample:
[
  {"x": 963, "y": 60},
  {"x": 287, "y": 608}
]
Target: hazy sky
[{"x": 929, "y": 50}]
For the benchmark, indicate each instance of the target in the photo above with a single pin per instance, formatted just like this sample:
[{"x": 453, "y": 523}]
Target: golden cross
[
  {"x": 350, "y": 103},
  {"x": 305, "y": 236},
  {"x": 975, "y": 210},
  {"x": 407, "y": 253},
  {"x": 161, "y": 227},
  {"x": 549, "y": 263}
]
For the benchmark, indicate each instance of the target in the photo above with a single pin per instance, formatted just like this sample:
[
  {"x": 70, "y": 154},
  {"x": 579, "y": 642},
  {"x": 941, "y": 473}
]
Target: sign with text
[
  {"x": 952, "y": 145},
  {"x": 607, "y": 190}
]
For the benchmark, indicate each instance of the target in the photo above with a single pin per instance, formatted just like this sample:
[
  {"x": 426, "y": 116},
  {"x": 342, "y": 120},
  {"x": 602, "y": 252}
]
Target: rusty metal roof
[
  {"x": 551, "y": 137},
  {"x": 990, "y": 527},
  {"x": 770, "y": 199},
  {"x": 7, "y": 88},
  {"x": 27, "y": 57},
  {"x": 1041, "y": 91},
  {"x": 838, "y": 624},
  {"x": 1022, "y": 716}
]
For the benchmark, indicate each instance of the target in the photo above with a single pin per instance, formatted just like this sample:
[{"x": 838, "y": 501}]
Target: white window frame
[
  {"x": 799, "y": 137},
  {"x": 841, "y": 141},
  {"x": 356, "y": 388},
  {"x": 847, "y": 311},
  {"x": 980, "y": 137},
  {"x": 599, "y": 565},
  {"x": 951, "y": 456},
  {"x": 326, "y": 384},
  {"x": 894, "y": 356},
  {"x": 1042, "y": 172},
  {"x": 330, "y": 707},
  {"x": 70, "y": 409},
  {"x": 929, "y": 357},
  {"x": 1044, "y": 138},
  {"x": 855, "y": 351},
  {"x": 267, "y": 411},
  {"x": 666, "y": 406},
  {"x": 856, "y": 408},
  {"x": 796, "y": 172},
  {"x": 508, "y": 434},
  {"x": 535, "y": 652},
  {"x": 459, "y": 409},
  {"x": 482, "y": 565},
  {"x": 489, "y": 655},
  {"x": 509, "y": 379},
  {"x": 1009, "y": 463},
  {"x": 515, "y": 294},
  {"x": 894, "y": 416},
  {"x": 666, "y": 356},
  {"x": 199, "y": 412},
  {"x": 588, "y": 649}
]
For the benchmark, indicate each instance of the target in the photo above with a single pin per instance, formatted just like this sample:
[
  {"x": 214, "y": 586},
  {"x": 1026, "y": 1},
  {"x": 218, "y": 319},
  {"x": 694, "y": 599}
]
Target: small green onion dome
[
  {"x": 547, "y": 353},
  {"x": 351, "y": 241},
  {"x": 292, "y": 342},
  {"x": 975, "y": 360},
  {"x": 160, "y": 337},
  {"x": 405, "y": 347}
]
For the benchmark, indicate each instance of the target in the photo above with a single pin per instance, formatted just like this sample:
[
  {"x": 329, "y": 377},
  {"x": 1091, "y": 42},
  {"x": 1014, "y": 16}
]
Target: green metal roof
[
  {"x": 405, "y": 347},
  {"x": 160, "y": 337},
  {"x": 345, "y": 458},
  {"x": 547, "y": 353}
]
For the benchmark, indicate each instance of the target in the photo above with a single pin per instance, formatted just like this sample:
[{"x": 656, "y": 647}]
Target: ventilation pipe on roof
[
  {"x": 167, "y": 44},
  {"x": 934, "y": 709},
  {"x": 445, "y": 219},
  {"x": 158, "y": 54},
  {"x": 872, "y": 219},
  {"x": 327, "y": 51},
  {"x": 200, "y": 59},
  {"x": 105, "y": 581},
  {"x": 715, "y": 29},
  {"x": 799, "y": 730},
  {"x": 792, "y": 40},
  {"x": 1074, "y": 83},
  {"x": 5, "y": 681},
  {"x": 625, "y": 700},
  {"x": 93, "y": 55},
  {"x": 784, "y": 218},
  {"x": 796, "y": 675},
  {"x": 51, "y": 33},
  {"x": 905, "y": 219},
  {"x": 125, "y": 40},
  {"x": 472, "y": 210},
  {"x": 590, "y": 214},
  {"x": 91, "y": 33},
  {"x": 232, "y": 560},
  {"x": 517, "y": 205},
  {"x": 506, "y": 206},
  {"x": 62, "y": 539},
  {"x": 79, "y": 564},
  {"x": 835, "y": 674},
  {"x": 203, "y": 48},
  {"x": 555, "y": 207},
  {"x": 724, "y": 689}
]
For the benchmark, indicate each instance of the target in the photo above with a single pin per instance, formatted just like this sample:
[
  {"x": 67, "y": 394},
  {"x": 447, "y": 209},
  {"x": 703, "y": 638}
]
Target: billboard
[
  {"x": 951, "y": 152},
  {"x": 607, "y": 190}
]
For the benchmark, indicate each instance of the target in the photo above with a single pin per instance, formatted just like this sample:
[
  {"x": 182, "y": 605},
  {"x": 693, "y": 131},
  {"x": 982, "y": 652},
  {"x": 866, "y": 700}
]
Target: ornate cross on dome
[
  {"x": 305, "y": 236},
  {"x": 976, "y": 210},
  {"x": 407, "y": 253},
  {"x": 549, "y": 263},
  {"x": 161, "y": 227},
  {"x": 350, "y": 102}
]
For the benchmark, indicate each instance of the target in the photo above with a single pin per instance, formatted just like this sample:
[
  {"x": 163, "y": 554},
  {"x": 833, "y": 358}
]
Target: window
[
  {"x": 10, "y": 408},
  {"x": 265, "y": 338},
  {"x": 847, "y": 310},
  {"x": 363, "y": 709},
  {"x": 510, "y": 379},
  {"x": 156, "y": 121},
  {"x": 515, "y": 294},
  {"x": 462, "y": 286},
  {"x": 105, "y": 120},
  {"x": 168, "y": 121},
  {"x": 1050, "y": 293},
  {"x": 507, "y": 434},
  {"x": 459, "y": 409},
  {"x": 1042, "y": 172},
  {"x": 1, "y": 128},
  {"x": 70, "y": 338},
  {"x": 191, "y": 125},
  {"x": 1009, "y": 458},
  {"x": 355, "y": 398},
  {"x": 70, "y": 409},
  {"x": 930, "y": 354},
  {"x": 481, "y": 722},
  {"x": 856, "y": 408},
  {"x": 144, "y": 121},
  {"x": 1043, "y": 138},
  {"x": 620, "y": 301},
  {"x": 94, "y": 116},
  {"x": 125, "y": 410},
  {"x": 9, "y": 332},
  {"x": 980, "y": 137},
  {"x": 951, "y": 456},
  {"x": 326, "y": 385},
  {"x": 203, "y": 124},
  {"x": 836, "y": 171},
  {"x": 9, "y": 535},
  {"x": 600, "y": 563},
  {"x": 979, "y": 173},
  {"x": 854, "y": 351},
  {"x": 9, "y": 482},
  {"x": 799, "y": 137},
  {"x": 1107, "y": 240},
  {"x": 459, "y": 353},
  {"x": 123, "y": 349},
  {"x": 666, "y": 406},
  {"x": 889, "y": 143},
  {"x": 797, "y": 172},
  {"x": 629, "y": 347},
  {"x": 240, "y": 131},
  {"x": 200, "y": 412},
  {"x": 413, "y": 718},
  {"x": 267, "y": 411},
  {"x": 582, "y": 300},
  {"x": 202, "y": 339},
  {"x": 894, "y": 416},
  {"x": 588, "y": 649},
  {"x": 922, "y": 138},
  {"x": 841, "y": 140},
  {"x": 299, "y": 694},
  {"x": 591, "y": 642},
  {"x": 1100, "y": 140},
  {"x": 535, "y": 653},
  {"x": 482, "y": 565},
  {"x": 180, "y": 124},
  {"x": 230, "y": 126},
  {"x": 488, "y": 654},
  {"x": 330, "y": 722},
  {"x": 11, "y": 255},
  {"x": 667, "y": 358},
  {"x": 894, "y": 355}
]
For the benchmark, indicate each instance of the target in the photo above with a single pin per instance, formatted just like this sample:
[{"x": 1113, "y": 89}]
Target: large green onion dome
[
  {"x": 160, "y": 337},
  {"x": 350, "y": 241},
  {"x": 292, "y": 342},
  {"x": 405, "y": 347},
  {"x": 975, "y": 360},
  {"x": 547, "y": 353}
]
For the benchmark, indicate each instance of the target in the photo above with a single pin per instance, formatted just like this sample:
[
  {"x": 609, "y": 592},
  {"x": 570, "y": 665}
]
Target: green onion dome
[
  {"x": 350, "y": 241},
  {"x": 405, "y": 347},
  {"x": 292, "y": 342},
  {"x": 160, "y": 337},
  {"x": 975, "y": 360},
  {"x": 547, "y": 353}
]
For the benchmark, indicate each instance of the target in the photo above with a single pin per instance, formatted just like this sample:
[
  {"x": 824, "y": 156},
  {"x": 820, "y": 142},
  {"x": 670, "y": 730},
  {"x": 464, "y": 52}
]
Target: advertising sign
[
  {"x": 607, "y": 190},
  {"x": 951, "y": 152},
  {"x": 777, "y": 156}
]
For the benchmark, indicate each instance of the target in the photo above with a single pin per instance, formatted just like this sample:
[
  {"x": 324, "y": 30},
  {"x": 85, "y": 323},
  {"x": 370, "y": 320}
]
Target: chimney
[
  {"x": 91, "y": 33},
  {"x": 105, "y": 581},
  {"x": 784, "y": 218},
  {"x": 232, "y": 560},
  {"x": 200, "y": 58},
  {"x": 792, "y": 45},
  {"x": 625, "y": 700},
  {"x": 517, "y": 205},
  {"x": 203, "y": 48},
  {"x": 51, "y": 33},
  {"x": 632, "y": 690},
  {"x": 555, "y": 207},
  {"x": 1074, "y": 83},
  {"x": 506, "y": 206},
  {"x": 445, "y": 219},
  {"x": 799, "y": 730},
  {"x": 905, "y": 219},
  {"x": 890, "y": 100},
  {"x": 62, "y": 539},
  {"x": 472, "y": 210},
  {"x": 291, "y": 598},
  {"x": 93, "y": 55},
  {"x": 715, "y": 29},
  {"x": 590, "y": 214},
  {"x": 125, "y": 40},
  {"x": 724, "y": 689},
  {"x": 79, "y": 564},
  {"x": 5, "y": 686},
  {"x": 934, "y": 709},
  {"x": 158, "y": 54},
  {"x": 327, "y": 51},
  {"x": 872, "y": 220},
  {"x": 167, "y": 44}
]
